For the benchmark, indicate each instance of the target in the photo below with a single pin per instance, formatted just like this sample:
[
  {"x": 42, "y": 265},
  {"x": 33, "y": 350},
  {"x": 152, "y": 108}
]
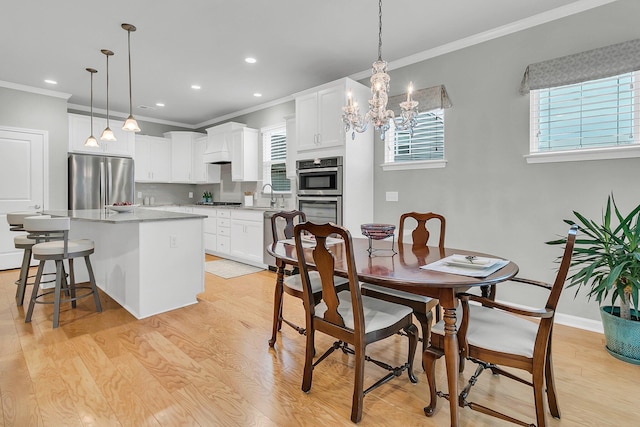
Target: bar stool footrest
[{"x": 65, "y": 290}]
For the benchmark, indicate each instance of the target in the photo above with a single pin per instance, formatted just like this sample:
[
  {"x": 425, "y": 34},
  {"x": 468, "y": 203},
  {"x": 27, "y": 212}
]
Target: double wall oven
[{"x": 320, "y": 189}]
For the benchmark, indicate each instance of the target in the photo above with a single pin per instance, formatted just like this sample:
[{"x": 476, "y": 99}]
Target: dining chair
[
  {"x": 422, "y": 306},
  {"x": 282, "y": 225},
  {"x": 346, "y": 315},
  {"x": 493, "y": 334}
]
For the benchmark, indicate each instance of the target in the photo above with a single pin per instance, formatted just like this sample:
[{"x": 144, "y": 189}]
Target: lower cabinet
[
  {"x": 223, "y": 228},
  {"x": 247, "y": 240}
]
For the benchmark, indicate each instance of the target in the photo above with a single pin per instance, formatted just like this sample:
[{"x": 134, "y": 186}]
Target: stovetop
[{"x": 219, "y": 203}]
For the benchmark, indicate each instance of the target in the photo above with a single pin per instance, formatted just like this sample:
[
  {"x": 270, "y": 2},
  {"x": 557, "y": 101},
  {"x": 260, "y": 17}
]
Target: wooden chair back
[
  {"x": 324, "y": 263},
  {"x": 420, "y": 235},
  {"x": 282, "y": 224}
]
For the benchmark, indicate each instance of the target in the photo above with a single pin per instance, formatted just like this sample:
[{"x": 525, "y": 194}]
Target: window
[
  {"x": 423, "y": 149},
  {"x": 274, "y": 143},
  {"x": 593, "y": 114}
]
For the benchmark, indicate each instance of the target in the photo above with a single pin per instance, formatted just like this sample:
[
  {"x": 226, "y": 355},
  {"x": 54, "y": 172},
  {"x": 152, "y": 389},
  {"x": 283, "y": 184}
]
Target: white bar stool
[{"x": 58, "y": 251}]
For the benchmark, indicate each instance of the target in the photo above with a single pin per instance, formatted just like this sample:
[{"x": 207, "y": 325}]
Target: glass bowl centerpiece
[{"x": 379, "y": 232}]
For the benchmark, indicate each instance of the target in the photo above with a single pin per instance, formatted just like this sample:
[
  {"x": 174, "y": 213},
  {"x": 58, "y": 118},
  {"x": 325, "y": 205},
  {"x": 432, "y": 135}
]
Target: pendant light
[
  {"x": 130, "y": 124},
  {"x": 107, "y": 133},
  {"x": 91, "y": 141}
]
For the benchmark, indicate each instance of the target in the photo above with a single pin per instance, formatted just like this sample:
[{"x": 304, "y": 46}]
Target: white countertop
[{"x": 137, "y": 215}]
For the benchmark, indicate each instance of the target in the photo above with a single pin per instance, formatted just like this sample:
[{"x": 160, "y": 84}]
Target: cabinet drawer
[
  {"x": 223, "y": 223},
  {"x": 224, "y": 231},
  {"x": 224, "y": 213},
  {"x": 248, "y": 215},
  {"x": 223, "y": 244}
]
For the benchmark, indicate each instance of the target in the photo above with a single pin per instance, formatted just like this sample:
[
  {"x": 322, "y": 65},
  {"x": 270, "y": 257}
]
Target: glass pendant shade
[
  {"x": 107, "y": 133},
  {"x": 130, "y": 125},
  {"x": 91, "y": 141}
]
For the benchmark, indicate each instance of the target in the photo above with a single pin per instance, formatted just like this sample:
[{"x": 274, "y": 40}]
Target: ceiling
[{"x": 298, "y": 44}]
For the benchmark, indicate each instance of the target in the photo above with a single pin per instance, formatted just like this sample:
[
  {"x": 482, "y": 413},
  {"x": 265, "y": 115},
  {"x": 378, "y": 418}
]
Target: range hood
[
  {"x": 218, "y": 156},
  {"x": 219, "y": 139}
]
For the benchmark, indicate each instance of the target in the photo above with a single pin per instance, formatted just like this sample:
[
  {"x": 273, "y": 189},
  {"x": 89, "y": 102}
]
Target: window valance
[
  {"x": 431, "y": 98},
  {"x": 580, "y": 67}
]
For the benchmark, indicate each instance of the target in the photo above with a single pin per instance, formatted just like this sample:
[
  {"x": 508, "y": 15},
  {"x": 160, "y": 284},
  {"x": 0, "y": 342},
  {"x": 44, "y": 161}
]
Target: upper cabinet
[
  {"x": 318, "y": 118},
  {"x": 80, "y": 129},
  {"x": 182, "y": 155},
  {"x": 152, "y": 159},
  {"x": 244, "y": 155}
]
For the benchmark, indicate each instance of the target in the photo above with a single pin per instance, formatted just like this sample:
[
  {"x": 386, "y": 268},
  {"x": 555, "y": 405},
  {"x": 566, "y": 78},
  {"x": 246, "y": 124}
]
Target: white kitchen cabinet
[
  {"x": 223, "y": 231},
  {"x": 80, "y": 129},
  {"x": 247, "y": 236},
  {"x": 244, "y": 155},
  {"x": 182, "y": 155},
  {"x": 209, "y": 228},
  {"x": 203, "y": 173},
  {"x": 152, "y": 159},
  {"x": 318, "y": 118}
]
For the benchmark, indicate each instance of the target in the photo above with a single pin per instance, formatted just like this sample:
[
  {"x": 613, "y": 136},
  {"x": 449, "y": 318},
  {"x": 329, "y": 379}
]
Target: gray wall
[
  {"x": 493, "y": 200},
  {"x": 41, "y": 112}
]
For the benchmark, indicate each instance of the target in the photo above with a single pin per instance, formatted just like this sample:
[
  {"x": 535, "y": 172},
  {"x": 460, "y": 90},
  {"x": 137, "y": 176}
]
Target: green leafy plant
[{"x": 608, "y": 257}]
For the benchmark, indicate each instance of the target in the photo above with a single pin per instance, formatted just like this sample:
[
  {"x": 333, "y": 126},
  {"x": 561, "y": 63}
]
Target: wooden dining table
[{"x": 402, "y": 271}]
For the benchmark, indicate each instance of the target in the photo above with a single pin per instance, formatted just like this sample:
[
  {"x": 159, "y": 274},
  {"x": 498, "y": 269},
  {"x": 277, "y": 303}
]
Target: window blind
[
  {"x": 426, "y": 143},
  {"x": 597, "y": 113}
]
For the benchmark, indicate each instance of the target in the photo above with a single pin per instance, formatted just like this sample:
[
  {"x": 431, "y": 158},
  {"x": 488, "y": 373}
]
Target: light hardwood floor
[{"x": 210, "y": 365}]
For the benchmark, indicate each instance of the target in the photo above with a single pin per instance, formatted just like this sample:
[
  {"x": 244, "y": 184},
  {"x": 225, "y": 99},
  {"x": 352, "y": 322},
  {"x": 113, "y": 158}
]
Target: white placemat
[{"x": 472, "y": 270}]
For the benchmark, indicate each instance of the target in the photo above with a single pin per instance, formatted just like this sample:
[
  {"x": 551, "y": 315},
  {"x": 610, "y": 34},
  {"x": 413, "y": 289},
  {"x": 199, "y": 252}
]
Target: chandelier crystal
[{"x": 378, "y": 114}]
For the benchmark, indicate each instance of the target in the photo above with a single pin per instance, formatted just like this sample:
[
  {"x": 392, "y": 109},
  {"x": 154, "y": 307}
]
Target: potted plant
[{"x": 607, "y": 257}]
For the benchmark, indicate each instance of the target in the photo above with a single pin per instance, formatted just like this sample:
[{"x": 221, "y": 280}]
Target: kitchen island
[{"x": 148, "y": 261}]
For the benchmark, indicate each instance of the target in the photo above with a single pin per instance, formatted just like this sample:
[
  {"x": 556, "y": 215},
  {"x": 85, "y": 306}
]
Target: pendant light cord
[
  {"x": 379, "y": 30},
  {"x": 91, "y": 102},
  {"x": 129, "y": 49},
  {"x": 107, "y": 89}
]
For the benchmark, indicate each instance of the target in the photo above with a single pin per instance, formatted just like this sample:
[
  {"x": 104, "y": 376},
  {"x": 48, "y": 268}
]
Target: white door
[{"x": 23, "y": 183}]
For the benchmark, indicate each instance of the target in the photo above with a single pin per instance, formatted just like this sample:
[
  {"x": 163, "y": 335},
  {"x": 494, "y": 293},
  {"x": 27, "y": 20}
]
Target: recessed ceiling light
[
  {"x": 195, "y": 87},
  {"x": 257, "y": 95},
  {"x": 250, "y": 60},
  {"x": 159, "y": 104},
  {"x": 51, "y": 82}
]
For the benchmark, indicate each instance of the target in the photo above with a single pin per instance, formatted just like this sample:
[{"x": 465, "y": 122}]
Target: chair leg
[
  {"x": 277, "y": 307},
  {"x": 538, "y": 394},
  {"x": 58, "y": 289},
  {"x": 24, "y": 274},
  {"x": 358, "y": 384},
  {"x": 72, "y": 283},
  {"x": 429, "y": 358},
  {"x": 34, "y": 292},
  {"x": 552, "y": 397},
  {"x": 92, "y": 282},
  {"x": 308, "y": 360},
  {"x": 425, "y": 324},
  {"x": 412, "y": 333}
]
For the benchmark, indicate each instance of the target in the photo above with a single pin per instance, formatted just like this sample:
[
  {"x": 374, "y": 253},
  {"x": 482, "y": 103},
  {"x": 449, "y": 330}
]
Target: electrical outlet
[
  {"x": 392, "y": 196},
  {"x": 173, "y": 241},
  {"x": 191, "y": 194},
  {"x": 139, "y": 194}
]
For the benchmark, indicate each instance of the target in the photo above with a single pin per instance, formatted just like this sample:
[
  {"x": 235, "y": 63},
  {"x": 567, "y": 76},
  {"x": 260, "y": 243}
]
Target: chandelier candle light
[
  {"x": 91, "y": 141},
  {"x": 378, "y": 113},
  {"x": 107, "y": 133},
  {"x": 130, "y": 124}
]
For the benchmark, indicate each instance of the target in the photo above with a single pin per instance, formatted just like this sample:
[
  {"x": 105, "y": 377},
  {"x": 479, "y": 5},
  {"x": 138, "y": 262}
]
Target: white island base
[{"x": 148, "y": 267}]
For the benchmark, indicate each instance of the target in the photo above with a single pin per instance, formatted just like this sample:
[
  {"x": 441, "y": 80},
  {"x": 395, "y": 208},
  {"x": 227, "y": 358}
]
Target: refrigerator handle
[
  {"x": 103, "y": 190},
  {"x": 108, "y": 184}
]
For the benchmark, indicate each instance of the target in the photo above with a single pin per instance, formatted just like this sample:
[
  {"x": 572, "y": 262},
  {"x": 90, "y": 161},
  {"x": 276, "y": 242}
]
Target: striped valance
[{"x": 580, "y": 67}]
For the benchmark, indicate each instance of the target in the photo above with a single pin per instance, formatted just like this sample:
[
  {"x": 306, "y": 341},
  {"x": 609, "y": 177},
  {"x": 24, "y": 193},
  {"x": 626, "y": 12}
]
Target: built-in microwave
[{"x": 320, "y": 177}]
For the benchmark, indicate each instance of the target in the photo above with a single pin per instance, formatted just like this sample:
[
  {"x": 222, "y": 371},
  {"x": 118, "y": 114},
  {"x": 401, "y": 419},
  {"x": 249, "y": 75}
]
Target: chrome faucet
[{"x": 272, "y": 202}]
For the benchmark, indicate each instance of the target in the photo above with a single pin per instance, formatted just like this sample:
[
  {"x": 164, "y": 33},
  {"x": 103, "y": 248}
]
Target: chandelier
[{"x": 378, "y": 113}]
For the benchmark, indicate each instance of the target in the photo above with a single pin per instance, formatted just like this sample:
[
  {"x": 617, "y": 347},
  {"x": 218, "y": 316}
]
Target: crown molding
[
  {"x": 117, "y": 114},
  {"x": 36, "y": 90}
]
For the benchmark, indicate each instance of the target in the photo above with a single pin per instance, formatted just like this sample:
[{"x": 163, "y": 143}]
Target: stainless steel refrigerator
[{"x": 98, "y": 181}]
